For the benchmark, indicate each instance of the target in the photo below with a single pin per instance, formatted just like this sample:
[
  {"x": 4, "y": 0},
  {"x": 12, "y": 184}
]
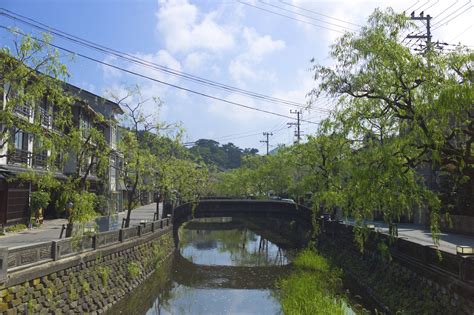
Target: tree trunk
[{"x": 69, "y": 228}]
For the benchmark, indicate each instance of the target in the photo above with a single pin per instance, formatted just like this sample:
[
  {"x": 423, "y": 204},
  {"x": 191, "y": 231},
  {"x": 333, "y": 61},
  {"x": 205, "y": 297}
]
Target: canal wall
[
  {"x": 85, "y": 275},
  {"x": 400, "y": 275}
]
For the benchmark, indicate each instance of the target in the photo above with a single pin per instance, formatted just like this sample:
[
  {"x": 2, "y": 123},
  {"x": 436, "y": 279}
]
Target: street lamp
[{"x": 464, "y": 250}]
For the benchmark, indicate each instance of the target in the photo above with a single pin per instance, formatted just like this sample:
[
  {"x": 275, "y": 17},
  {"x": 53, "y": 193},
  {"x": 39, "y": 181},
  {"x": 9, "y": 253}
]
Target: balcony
[
  {"x": 23, "y": 110},
  {"x": 45, "y": 117},
  {"x": 58, "y": 162},
  {"x": 39, "y": 160},
  {"x": 19, "y": 156}
]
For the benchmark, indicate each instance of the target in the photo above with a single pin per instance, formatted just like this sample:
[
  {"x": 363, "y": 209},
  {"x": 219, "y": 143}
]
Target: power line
[
  {"x": 288, "y": 17},
  {"x": 321, "y": 14},
  {"x": 462, "y": 12},
  {"x": 306, "y": 16},
  {"x": 431, "y": 5},
  {"x": 411, "y": 6},
  {"x": 439, "y": 16},
  {"x": 156, "y": 80},
  {"x": 447, "y": 16},
  {"x": 224, "y": 138},
  {"x": 142, "y": 62},
  {"x": 459, "y": 35},
  {"x": 421, "y": 6}
]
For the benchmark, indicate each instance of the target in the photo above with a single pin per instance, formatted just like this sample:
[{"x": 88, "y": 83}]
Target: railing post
[
  {"x": 3, "y": 264},
  {"x": 121, "y": 235},
  {"x": 161, "y": 223},
  {"x": 56, "y": 250},
  {"x": 94, "y": 242},
  {"x": 465, "y": 273},
  {"x": 140, "y": 230},
  {"x": 152, "y": 227}
]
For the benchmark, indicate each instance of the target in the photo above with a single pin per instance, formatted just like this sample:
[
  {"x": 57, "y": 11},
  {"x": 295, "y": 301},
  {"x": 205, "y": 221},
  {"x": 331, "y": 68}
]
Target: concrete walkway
[
  {"x": 422, "y": 235},
  {"x": 51, "y": 229}
]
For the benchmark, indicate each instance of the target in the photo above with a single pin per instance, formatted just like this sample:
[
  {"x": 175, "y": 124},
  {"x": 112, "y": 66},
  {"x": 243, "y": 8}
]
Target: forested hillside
[{"x": 225, "y": 156}]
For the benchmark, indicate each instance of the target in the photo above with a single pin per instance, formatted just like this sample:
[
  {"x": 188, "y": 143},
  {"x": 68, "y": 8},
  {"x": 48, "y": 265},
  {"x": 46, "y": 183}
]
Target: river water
[{"x": 222, "y": 266}]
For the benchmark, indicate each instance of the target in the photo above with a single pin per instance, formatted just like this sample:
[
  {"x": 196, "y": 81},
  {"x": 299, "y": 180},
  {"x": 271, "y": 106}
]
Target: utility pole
[
  {"x": 297, "y": 124},
  {"x": 267, "y": 141},
  {"x": 426, "y": 36}
]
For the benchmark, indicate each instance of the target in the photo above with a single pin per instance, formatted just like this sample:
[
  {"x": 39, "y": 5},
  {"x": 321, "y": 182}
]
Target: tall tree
[
  {"x": 404, "y": 111},
  {"x": 140, "y": 165}
]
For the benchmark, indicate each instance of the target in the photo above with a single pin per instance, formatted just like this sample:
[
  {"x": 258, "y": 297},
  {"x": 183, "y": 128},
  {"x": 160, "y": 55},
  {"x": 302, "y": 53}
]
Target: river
[{"x": 222, "y": 266}]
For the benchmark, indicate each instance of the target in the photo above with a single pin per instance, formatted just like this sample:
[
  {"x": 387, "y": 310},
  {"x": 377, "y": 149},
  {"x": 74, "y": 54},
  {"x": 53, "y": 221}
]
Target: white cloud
[
  {"x": 109, "y": 72},
  {"x": 245, "y": 66},
  {"x": 185, "y": 29},
  {"x": 149, "y": 89},
  {"x": 195, "y": 60}
]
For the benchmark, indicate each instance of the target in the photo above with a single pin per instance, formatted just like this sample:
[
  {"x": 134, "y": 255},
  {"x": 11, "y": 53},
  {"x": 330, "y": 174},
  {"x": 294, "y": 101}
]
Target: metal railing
[
  {"x": 45, "y": 117},
  {"x": 39, "y": 160},
  {"x": 24, "y": 110},
  {"x": 19, "y": 156}
]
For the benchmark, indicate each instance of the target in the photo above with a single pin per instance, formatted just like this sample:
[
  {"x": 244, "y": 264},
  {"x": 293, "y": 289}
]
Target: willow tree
[
  {"x": 30, "y": 80},
  {"x": 402, "y": 112},
  {"x": 39, "y": 105},
  {"x": 140, "y": 165}
]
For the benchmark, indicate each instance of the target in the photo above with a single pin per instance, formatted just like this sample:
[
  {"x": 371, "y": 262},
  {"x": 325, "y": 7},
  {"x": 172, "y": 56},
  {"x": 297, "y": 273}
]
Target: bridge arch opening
[{"x": 292, "y": 221}]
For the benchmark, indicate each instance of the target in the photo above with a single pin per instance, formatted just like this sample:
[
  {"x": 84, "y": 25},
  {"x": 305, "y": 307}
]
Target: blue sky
[{"x": 224, "y": 41}]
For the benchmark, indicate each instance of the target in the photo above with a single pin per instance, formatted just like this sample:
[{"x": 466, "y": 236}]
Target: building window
[
  {"x": 113, "y": 174},
  {"x": 19, "y": 136},
  {"x": 113, "y": 136},
  {"x": 20, "y": 153}
]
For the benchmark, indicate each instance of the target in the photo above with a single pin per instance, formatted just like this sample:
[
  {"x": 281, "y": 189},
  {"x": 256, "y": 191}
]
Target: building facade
[{"x": 21, "y": 152}]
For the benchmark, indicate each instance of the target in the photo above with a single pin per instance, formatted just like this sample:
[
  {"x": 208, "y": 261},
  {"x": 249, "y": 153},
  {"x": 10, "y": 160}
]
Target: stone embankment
[
  {"x": 85, "y": 275},
  {"x": 399, "y": 275}
]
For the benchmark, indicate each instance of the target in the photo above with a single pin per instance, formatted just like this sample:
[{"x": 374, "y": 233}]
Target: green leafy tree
[
  {"x": 30, "y": 79},
  {"x": 140, "y": 164},
  {"x": 40, "y": 107},
  {"x": 401, "y": 111}
]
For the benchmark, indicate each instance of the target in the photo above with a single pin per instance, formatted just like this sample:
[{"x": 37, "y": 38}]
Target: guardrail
[{"x": 23, "y": 257}]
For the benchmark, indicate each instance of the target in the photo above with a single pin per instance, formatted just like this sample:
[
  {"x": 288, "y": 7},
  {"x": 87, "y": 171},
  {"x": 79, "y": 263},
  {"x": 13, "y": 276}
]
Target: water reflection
[
  {"x": 222, "y": 266},
  {"x": 227, "y": 242}
]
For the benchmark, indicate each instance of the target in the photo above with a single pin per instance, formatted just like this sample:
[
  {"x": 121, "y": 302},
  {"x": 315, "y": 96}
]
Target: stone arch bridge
[{"x": 292, "y": 220}]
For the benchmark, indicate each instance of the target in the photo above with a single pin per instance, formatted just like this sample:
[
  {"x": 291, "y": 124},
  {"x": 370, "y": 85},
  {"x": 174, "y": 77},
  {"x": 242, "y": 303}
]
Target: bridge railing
[{"x": 23, "y": 257}]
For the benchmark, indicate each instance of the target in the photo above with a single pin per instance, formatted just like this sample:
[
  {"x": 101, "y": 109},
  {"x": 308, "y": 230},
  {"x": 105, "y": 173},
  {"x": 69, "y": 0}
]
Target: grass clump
[
  {"x": 133, "y": 269},
  {"x": 15, "y": 228},
  {"x": 312, "y": 288}
]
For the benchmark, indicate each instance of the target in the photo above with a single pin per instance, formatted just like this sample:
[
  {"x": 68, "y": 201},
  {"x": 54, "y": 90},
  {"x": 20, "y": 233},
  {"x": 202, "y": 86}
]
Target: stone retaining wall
[
  {"x": 88, "y": 282},
  {"x": 402, "y": 276}
]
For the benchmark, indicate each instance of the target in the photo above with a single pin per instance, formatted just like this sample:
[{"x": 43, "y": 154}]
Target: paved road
[
  {"x": 51, "y": 229},
  {"x": 422, "y": 235}
]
